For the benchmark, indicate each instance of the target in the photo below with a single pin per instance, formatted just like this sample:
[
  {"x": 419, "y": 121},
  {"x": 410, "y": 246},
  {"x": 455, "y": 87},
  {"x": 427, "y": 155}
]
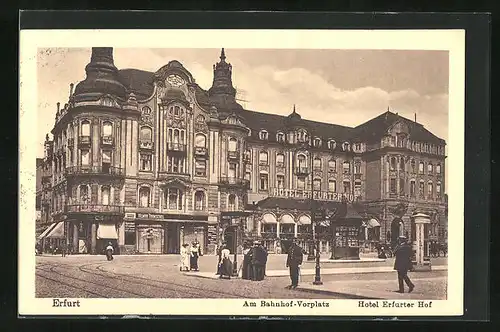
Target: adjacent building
[{"x": 150, "y": 160}]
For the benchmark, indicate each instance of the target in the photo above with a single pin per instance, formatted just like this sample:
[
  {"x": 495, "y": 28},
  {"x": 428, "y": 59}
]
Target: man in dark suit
[
  {"x": 258, "y": 261},
  {"x": 403, "y": 264},
  {"x": 293, "y": 261}
]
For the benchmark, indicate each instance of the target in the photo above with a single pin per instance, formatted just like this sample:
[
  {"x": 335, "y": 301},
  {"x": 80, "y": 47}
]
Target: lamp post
[
  {"x": 235, "y": 262},
  {"x": 310, "y": 253}
]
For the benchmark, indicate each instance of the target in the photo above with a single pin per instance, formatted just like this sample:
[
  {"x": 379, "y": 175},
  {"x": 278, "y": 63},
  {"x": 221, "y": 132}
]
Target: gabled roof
[{"x": 377, "y": 127}]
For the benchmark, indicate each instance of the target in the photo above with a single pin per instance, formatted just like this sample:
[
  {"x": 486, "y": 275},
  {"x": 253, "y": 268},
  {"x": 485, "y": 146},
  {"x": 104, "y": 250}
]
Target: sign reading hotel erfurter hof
[{"x": 275, "y": 172}]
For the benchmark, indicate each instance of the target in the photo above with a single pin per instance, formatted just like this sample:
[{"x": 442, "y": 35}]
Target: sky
[{"x": 346, "y": 87}]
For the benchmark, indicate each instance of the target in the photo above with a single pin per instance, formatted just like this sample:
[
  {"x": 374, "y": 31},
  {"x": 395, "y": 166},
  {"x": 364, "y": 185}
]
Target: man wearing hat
[
  {"x": 258, "y": 261},
  {"x": 403, "y": 264},
  {"x": 293, "y": 261}
]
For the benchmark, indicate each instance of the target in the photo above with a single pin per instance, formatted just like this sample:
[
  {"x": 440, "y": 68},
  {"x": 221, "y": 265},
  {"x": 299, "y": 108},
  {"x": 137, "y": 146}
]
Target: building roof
[{"x": 140, "y": 82}]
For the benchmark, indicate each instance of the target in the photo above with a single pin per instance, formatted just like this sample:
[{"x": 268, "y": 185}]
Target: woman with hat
[
  {"x": 195, "y": 254},
  {"x": 184, "y": 266},
  {"x": 246, "y": 269},
  {"x": 226, "y": 266}
]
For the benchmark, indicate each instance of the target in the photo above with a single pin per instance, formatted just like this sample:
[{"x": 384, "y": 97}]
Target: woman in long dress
[
  {"x": 195, "y": 254},
  {"x": 246, "y": 270},
  {"x": 226, "y": 265},
  {"x": 184, "y": 258}
]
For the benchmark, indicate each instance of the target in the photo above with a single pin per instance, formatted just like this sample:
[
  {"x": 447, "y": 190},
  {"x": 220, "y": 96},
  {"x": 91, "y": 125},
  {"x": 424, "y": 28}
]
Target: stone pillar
[
  {"x": 295, "y": 230},
  {"x": 75, "y": 237},
  {"x": 422, "y": 263},
  {"x": 121, "y": 234},
  {"x": 93, "y": 238}
]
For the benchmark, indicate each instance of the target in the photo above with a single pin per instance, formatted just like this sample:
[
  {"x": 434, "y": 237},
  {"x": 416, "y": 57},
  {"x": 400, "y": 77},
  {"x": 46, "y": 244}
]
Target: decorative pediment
[
  {"x": 173, "y": 74},
  {"x": 176, "y": 182}
]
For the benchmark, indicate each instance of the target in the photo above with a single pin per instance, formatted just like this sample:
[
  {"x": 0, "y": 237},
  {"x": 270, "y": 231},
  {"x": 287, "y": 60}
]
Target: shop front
[{"x": 346, "y": 232}]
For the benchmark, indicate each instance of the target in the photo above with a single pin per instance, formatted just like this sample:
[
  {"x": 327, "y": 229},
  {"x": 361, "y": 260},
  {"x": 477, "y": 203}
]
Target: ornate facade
[{"x": 151, "y": 161}]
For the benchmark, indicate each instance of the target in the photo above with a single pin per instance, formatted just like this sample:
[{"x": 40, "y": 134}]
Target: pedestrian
[
  {"x": 63, "y": 249},
  {"x": 403, "y": 264},
  {"x": 195, "y": 254},
  {"x": 184, "y": 266},
  {"x": 259, "y": 260},
  {"x": 109, "y": 251},
  {"x": 293, "y": 261},
  {"x": 246, "y": 270},
  {"x": 226, "y": 266},
  {"x": 219, "y": 256}
]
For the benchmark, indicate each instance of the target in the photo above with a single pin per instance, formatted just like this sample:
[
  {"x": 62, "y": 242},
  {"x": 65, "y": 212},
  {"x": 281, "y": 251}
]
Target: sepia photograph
[{"x": 282, "y": 177}]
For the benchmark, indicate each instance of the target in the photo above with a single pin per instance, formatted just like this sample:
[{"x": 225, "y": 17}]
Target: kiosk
[{"x": 346, "y": 235}]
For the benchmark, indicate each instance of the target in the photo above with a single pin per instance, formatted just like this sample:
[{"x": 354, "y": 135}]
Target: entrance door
[
  {"x": 173, "y": 246},
  {"x": 230, "y": 238}
]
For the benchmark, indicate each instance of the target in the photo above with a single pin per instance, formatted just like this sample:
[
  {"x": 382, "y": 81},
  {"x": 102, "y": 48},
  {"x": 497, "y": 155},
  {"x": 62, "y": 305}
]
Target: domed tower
[{"x": 222, "y": 93}]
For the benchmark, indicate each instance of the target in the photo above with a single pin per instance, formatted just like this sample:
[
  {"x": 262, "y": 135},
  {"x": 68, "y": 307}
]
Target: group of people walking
[
  {"x": 190, "y": 256},
  {"x": 254, "y": 261}
]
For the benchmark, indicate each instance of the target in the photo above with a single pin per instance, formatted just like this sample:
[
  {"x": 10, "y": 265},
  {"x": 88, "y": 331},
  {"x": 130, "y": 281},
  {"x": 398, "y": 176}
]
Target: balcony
[
  {"x": 233, "y": 155},
  {"x": 176, "y": 147},
  {"x": 107, "y": 141},
  {"x": 95, "y": 208},
  {"x": 94, "y": 170},
  {"x": 146, "y": 145},
  {"x": 301, "y": 170},
  {"x": 234, "y": 182},
  {"x": 200, "y": 151},
  {"x": 84, "y": 141},
  {"x": 71, "y": 142}
]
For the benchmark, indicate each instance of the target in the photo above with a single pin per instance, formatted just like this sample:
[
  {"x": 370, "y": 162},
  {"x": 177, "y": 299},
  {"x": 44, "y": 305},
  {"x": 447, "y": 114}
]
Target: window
[
  {"x": 85, "y": 129},
  {"x": 231, "y": 171},
  {"x": 332, "y": 144},
  {"x": 401, "y": 164},
  {"x": 280, "y": 159},
  {"x": 85, "y": 157},
  {"x": 232, "y": 144},
  {"x": 317, "y": 184},
  {"x": 345, "y": 146},
  {"x": 106, "y": 161},
  {"x": 263, "y": 135},
  {"x": 421, "y": 167},
  {"x": 200, "y": 141},
  {"x": 302, "y": 136},
  {"x": 280, "y": 181},
  {"x": 392, "y": 186},
  {"x": 291, "y": 137},
  {"x": 248, "y": 156},
  {"x": 263, "y": 158},
  {"x": 146, "y": 110},
  {"x": 84, "y": 194},
  {"x": 412, "y": 188},
  {"x": 146, "y": 134},
  {"x": 421, "y": 189},
  {"x": 263, "y": 181},
  {"x": 280, "y": 137},
  {"x": 332, "y": 165},
  {"x": 145, "y": 162},
  {"x": 200, "y": 119},
  {"x": 401, "y": 186},
  {"x": 174, "y": 199},
  {"x": 105, "y": 195},
  {"x": 438, "y": 190},
  {"x": 232, "y": 202},
  {"x": 429, "y": 168},
  {"x": 144, "y": 194},
  {"x": 358, "y": 147},
  {"x": 332, "y": 186},
  {"x": 438, "y": 169},
  {"x": 317, "y": 163},
  {"x": 107, "y": 129},
  {"x": 393, "y": 163},
  {"x": 248, "y": 176},
  {"x": 430, "y": 190},
  {"x": 357, "y": 168},
  {"x": 346, "y": 167},
  {"x": 301, "y": 183},
  {"x": 413, "y": 166},
  {"x": 347, "y": 187},
  {"x": 200, "y": 167},
  {"x": 317, "y": 142},
  {"x": 199, "y": 201},
  {"x": 175, "y": 164},
  {"x": 301, "y": 161}
]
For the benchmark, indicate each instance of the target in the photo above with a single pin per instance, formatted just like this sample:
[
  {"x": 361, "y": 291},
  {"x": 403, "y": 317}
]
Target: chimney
[
  {"x": 415, "y": 117},
  {"x": 71, "y": 89},
  {"x": 58, "y": 106}
]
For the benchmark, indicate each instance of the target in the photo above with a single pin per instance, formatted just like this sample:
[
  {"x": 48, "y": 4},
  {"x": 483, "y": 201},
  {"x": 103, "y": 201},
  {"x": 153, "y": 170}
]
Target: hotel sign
[{"x": 306, "y": 194}]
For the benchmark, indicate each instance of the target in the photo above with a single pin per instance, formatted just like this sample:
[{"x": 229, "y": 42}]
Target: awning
[
  {"x": 57, "y": 232},
  {"x": 107, "y": 231},
  {"x": 304, "y": 220},
  {"x": 372, "y": 223},
  {"x": 268, "y": 219},
  {"x": 287, "y": 219},
  {"x": 46, "y": 231}
]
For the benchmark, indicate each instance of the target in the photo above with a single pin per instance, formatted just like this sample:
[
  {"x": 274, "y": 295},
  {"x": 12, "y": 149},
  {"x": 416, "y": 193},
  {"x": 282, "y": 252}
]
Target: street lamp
[{"x": 235, "y": 262}]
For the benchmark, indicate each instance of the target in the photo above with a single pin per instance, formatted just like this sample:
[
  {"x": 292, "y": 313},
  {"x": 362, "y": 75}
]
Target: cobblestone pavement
[{"x": 159, "y": 277}]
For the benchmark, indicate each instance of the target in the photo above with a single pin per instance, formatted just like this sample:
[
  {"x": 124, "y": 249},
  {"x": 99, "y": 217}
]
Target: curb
[{"x": 327, "y": 292}]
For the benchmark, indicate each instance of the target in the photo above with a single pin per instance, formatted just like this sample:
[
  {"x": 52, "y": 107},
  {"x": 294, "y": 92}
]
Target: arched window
[
  {"x": 413, "y": 165},
  {"x": 332, "y": 164},
  {"x": 263, "y": 158},
  {"x": 301, "y": 161},
  {"x": 317, "y": 142},
  {"x": 200, "y": 141},
  {"x": 263, "y": 135},
  {"x": 107, "y": 129},
  {"x": 317, "y": 163},
  {"x": 232, "y": 202},
  {"x": 280, "y": 137},
  {"x": 85, "y": 128},
  {"x": 438, "y": 169},
  {"x": 144, "y": 194},
  {"x": 401, "y": 163},
  {"x": 430, "y": 189},
  {"x": 346, "y": 166},
  {"x": 174, "y": 198},
  {"x": 317, "y": 184},
  {"x": 200, "y": 119},
  {"x": 332, "y": 185},
  {"x": 438, "y": 190},
  {"x": 345, "y": 146},
  {"x": 176, "y": 136},
  {"x": 177, "y": 110},
  {"x": 393, "y": 163},
  {"x": 280, "y": 159},
  {"x": 84, "y": 194},
  {"x": 199, "y": 200},
  {"x": 105, "y": 195},
  {"x": 332, "y": 144},
  {"x": 429, "y": 168},
  {"x": 232, "y": 144},
  {"x": 146, "y": 134},
  {"x": 421, "y": 167},
  {"x": 146, "y": 110},
  {"x": 291, "y": 137}
]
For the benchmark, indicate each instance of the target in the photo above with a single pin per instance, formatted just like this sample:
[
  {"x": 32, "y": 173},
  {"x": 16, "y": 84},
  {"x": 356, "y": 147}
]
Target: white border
[{"x": 30, "y": 40}]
